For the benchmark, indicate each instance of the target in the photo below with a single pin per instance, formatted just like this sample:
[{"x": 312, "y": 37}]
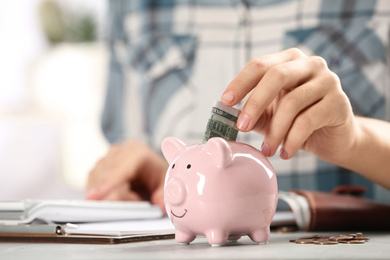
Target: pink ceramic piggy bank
[{"x": 222, "y": 190}]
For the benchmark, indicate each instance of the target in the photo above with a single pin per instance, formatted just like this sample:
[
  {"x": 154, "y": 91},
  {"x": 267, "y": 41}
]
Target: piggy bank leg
[
  {"x": 216, "y": 237},
  {"x": 183, "y": 236},
  {"x": 260, "y": 235}
]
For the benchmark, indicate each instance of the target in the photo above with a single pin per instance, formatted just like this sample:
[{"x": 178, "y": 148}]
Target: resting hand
[
  {"x": 296, "y": 102},
  {"x": 129, "y": 171}
]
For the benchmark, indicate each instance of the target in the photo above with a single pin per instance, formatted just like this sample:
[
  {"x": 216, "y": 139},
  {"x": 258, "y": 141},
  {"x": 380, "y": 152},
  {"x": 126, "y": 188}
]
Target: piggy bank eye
[
  {"x": 188, "y": 166},
  {"x": 173, "y": 166}
]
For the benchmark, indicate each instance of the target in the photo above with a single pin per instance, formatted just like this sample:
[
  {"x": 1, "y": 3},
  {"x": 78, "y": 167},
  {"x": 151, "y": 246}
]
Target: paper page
[{"x": 121, "y": 228}]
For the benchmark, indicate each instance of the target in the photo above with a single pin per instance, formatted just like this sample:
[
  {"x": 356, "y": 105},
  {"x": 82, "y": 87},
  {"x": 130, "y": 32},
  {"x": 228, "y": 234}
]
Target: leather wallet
[{"x": 345, "y": 209}]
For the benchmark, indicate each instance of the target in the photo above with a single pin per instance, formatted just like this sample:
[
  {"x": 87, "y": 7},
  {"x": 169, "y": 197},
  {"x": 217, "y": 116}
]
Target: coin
[
  {"x": 311, "y": 237},
  {"x": 353, "y": 241},
  {"x": 340, "y": 237},
  {"x": 304, "y": 241},
  {"x": 285, "y": 229},
  {"x": 326, "y": 242},
  {"x": 362, "y": 238},
  {"x": 322, "y": 239}
]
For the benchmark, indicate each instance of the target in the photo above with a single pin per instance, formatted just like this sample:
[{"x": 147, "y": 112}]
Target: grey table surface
[{"x": 278, "y": 247}]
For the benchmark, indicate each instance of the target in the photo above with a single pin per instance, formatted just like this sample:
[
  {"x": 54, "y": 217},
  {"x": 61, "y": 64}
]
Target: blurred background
[{"x": 53, "y": 61}]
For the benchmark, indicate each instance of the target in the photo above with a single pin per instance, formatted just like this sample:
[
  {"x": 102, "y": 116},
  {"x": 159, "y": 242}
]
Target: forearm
[{"x": 370, "y": 153}]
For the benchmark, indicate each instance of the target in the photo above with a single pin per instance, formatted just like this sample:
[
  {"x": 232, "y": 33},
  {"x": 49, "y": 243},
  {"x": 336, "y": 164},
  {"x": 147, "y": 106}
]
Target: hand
[
  {"x": 297, "y": 102},
  {"x": 129, "y": 171}
]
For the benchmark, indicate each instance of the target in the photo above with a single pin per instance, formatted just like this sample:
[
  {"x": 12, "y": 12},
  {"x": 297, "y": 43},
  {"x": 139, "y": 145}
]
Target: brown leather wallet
[{"x": 344, "y": 209}]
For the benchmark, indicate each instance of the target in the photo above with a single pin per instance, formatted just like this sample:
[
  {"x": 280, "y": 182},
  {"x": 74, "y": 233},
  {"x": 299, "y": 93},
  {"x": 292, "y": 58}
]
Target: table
[{"x": 278, "y": 247}]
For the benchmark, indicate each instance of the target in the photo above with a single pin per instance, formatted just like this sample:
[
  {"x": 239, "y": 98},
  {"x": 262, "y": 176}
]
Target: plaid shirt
[{"x": 170, "y": 59}]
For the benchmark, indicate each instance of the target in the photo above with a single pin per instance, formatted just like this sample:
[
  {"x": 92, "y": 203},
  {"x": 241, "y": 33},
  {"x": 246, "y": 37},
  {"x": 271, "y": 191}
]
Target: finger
[
  {"x": 281, "y": 77},
  {"x": 253, "y": 72},
  {"x": 158, "y": 197},
  {"x": 119, "y": 166},
  {"x": 123, "y": 192},
  {"x": 113, "y": 179},
  {"x": 95, "y": 175},
  {"x": 128, "y": 196},
  {"x": 98, "y": 173},
  {"x": 153, "y": 171},
  {"x": 290, "y": 106},
  {"x": 310, "y": 120}
]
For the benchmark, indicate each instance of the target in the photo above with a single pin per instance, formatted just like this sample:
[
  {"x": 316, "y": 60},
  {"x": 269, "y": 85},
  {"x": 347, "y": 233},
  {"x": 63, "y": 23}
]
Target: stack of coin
[
  {"x": 355, "y": 238},
  {"x": 222, "y": 122}
]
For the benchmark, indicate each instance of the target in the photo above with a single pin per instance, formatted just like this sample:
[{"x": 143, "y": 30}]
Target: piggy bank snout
[{"x": 175, "y": 192}]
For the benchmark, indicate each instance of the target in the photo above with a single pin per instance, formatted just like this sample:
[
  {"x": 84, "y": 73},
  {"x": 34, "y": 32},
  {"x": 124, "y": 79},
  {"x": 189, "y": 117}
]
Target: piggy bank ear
[
  {"x": 171, "y": 148},
  {"x": 221, "y": 151}
]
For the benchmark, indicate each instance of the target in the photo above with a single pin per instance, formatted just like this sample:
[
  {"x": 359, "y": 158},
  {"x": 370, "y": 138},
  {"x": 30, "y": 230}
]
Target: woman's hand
[
  {"x": 130, "y": 171},
  {"x": 296, "y": 102}
]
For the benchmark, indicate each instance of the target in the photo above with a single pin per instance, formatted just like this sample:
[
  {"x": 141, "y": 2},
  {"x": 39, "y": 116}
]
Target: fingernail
[
  {"x": 265, "y": 149},
  {"x": 283, "y": 154},
  {"x": 228, "y": 97},
  {"x": 243, "y": 122}
]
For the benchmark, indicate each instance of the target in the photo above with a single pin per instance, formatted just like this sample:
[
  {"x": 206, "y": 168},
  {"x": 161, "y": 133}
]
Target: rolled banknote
[{"x": 222, "y": 122}]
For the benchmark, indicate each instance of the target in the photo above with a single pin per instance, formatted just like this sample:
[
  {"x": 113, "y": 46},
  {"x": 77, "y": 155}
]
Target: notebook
[{"x": 75, "y": 211}]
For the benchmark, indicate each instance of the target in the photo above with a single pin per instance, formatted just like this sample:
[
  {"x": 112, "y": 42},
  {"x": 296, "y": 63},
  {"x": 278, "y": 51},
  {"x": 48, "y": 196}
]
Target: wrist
[{"x": 351, "y": 150}]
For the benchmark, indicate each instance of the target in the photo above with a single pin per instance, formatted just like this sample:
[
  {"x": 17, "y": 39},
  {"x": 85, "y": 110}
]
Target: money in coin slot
[{"x": 222, "y": 122}]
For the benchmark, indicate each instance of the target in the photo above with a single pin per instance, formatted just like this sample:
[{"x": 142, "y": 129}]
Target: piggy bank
[{"x": 222, "y": 190}]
